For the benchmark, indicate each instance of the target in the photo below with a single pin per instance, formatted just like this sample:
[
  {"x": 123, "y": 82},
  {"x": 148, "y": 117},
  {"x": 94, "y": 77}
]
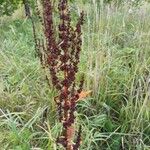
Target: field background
[{"x": 115, "y": 60}]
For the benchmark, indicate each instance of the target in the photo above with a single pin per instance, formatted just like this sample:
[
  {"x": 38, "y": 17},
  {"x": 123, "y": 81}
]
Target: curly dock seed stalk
[{"x": 61, "y": 57}]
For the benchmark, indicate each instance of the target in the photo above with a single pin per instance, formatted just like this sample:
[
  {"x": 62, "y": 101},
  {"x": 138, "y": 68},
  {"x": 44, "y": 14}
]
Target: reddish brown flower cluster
[{"x": 61, "y": 57}]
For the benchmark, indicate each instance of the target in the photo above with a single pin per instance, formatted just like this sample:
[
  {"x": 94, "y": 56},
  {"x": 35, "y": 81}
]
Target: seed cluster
[{"x": 61, "y": 56}]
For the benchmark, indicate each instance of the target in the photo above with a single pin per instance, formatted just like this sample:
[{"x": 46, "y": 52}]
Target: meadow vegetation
[{"x": 115, "y": 61}]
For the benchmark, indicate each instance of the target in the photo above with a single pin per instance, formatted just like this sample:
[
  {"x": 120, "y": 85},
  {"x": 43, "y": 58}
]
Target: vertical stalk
[
  {"x": 27, "y": 8},
  {"x": 62, "y": 56}
]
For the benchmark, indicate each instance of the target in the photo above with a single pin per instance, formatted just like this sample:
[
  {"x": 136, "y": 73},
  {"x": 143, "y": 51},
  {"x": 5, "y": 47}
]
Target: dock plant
[{"x": 60, "y": 54}]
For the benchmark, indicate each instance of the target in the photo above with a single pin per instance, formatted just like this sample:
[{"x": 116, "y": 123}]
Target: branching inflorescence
[{"x": 61, "y": 57}]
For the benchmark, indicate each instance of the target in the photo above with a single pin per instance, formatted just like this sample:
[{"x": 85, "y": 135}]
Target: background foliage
[{"x": 7, "y": 7}]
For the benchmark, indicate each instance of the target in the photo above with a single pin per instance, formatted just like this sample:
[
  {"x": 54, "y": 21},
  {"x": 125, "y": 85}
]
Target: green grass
[{"x": 115, "y": 62}]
